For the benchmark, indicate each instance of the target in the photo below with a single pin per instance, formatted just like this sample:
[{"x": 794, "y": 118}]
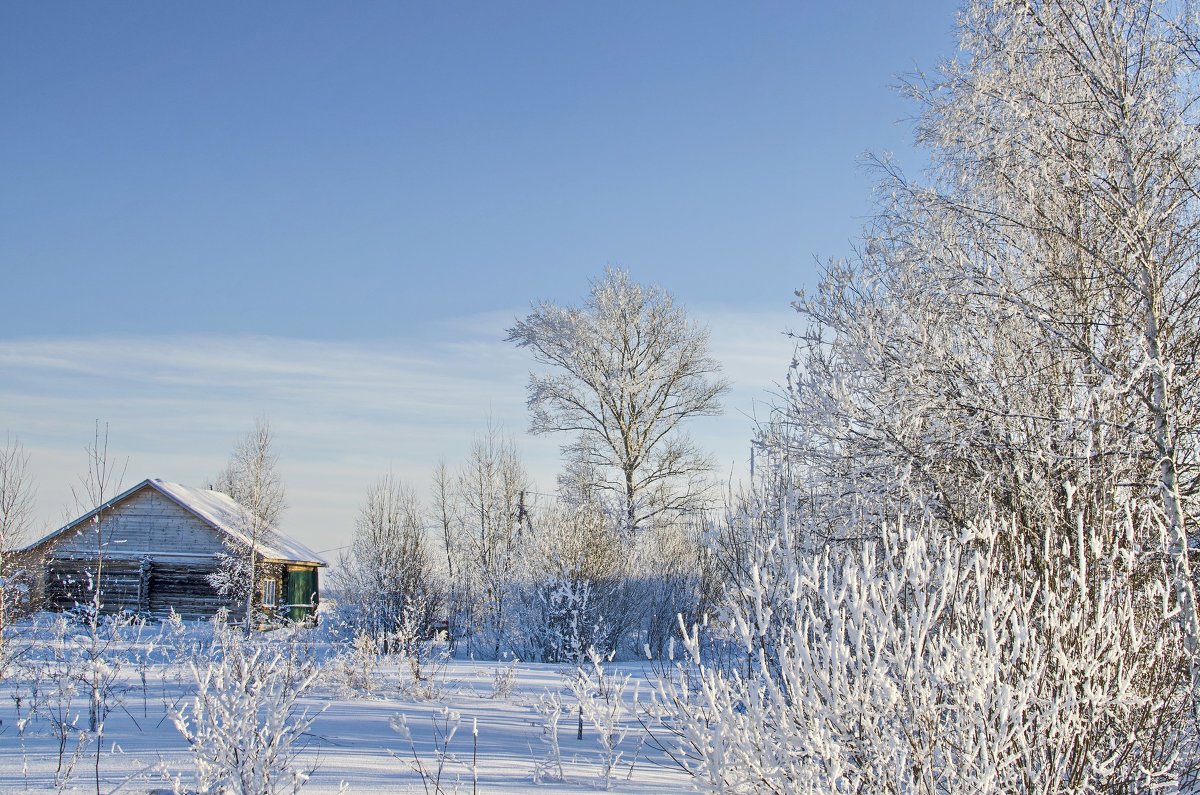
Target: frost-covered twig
[
  {"x": 445, "y": 725},
  {"x": 550, "y": 708}
]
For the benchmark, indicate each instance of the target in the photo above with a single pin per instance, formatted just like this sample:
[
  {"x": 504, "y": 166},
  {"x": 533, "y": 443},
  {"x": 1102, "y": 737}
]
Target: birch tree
[
  {"x": 252, "y": 479},
  {"x": 490, "y": 492},
  {"x": 628, "y": 370},
  {"x": 16, "y": 515}
]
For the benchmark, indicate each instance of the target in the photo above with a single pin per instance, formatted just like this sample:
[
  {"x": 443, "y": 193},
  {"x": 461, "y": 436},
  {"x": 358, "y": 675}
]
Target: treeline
[{"x": 516, "y": 574}]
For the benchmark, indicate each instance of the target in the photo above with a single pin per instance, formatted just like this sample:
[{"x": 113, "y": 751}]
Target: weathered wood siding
[
  {"x": 185, "y": 588},
  {"x": 145, "y": 524},
  {"x": 143, "y": 587},
  {"x": 157, "y": 556}
]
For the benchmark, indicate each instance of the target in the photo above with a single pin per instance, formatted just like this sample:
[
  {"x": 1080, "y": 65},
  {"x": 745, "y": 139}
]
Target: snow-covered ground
[{"x": 352, "y": 742}]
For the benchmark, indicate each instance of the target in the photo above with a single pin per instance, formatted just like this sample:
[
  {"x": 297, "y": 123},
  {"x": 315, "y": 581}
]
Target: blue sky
[{"x": 329, "y": 213}]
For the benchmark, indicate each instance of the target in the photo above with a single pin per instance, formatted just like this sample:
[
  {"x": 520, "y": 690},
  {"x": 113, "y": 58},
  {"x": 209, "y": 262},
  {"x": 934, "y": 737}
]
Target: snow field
[{"x": 355, "y": 741}]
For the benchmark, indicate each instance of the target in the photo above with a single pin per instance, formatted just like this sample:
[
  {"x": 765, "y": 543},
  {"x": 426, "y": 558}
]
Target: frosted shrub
[
  {"x": 603, "y": 705},
  {"x": 244, "y": 725},
  {"x": 99, "y": 662},
  {"x": 74, "y": 666},
  {"x": 56, "y": 686},
  {"x": 551, "y": 710},
  {"x": 934, "y": 665},
  {"x": 178, "y": 645},
  {"x": 294, "y": 643},
  {"x": 421, "y": 660},
  {"x": 423, "y": 674},
  {"x": 357, "y": 670},
  {"x": 13, "y": 646},
  {"x": 504, "y": 679}
]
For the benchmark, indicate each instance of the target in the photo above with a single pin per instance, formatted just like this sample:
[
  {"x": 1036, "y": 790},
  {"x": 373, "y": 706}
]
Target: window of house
[{"x": 270, "y": 597}]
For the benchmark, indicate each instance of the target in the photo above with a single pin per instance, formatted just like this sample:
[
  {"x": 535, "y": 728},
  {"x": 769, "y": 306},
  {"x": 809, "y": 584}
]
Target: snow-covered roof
[
  {"x": 219, "y": 511},
  {"x": 225, "y": 514}
]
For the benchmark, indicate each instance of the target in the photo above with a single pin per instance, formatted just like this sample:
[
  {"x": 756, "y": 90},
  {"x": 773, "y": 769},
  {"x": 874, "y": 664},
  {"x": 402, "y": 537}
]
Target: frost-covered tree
[
  {"x": 1028, "y": 318},
  {"x": 987, "y": 460},
  {"x": 579, "y": 576},
  {"x": 252, "y": 479},
  {"x": 16, "y": 514},
  {"x": 1072, "y": 158},
  {"x": 490, "y": 492},
  {"x": 629, "y": 369},
  {"x": 387, "y": 576}
]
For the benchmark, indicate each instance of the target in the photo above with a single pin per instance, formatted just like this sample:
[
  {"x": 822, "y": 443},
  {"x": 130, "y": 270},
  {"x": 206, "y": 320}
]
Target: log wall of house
[
  {"x": 144, "y": 587},
  {"x": 186, "y": 589}
]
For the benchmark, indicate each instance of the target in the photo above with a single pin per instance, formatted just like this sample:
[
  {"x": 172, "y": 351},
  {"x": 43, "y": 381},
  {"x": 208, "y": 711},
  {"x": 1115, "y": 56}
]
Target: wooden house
[{"x": 155, "y": 546}]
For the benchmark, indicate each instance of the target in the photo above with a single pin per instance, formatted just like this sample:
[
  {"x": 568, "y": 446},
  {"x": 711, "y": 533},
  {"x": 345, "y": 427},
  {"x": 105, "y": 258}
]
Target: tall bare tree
[
  {"x": 490, "y": 493},
  {"x": 99, "y": 484},
  {"x": 252, "y": 479},
  {"x": 16, "y": 516},
  {"x": 629, "y": 369},
  {"x": 442, "y": 493}
]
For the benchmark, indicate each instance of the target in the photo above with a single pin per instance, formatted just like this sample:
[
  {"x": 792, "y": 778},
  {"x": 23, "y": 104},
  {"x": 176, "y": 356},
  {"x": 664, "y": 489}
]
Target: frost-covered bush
[
  {"x": 504, "y": 679},
  {"x": 55, "y": 681},
  {"x": 926, "y": 664},
  {"x": 358, "y": 668},
  {"x": 244, "y": 725},
  {"x": 68, "y": 681},
  {"x": 422, "y": 670},
  {"x": 606, "y": 705},
  {"x": 551, "y": 709}
]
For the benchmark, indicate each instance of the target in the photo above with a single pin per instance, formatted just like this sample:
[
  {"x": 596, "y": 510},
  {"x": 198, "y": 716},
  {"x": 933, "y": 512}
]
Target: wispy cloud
[{"x": 343, "y": 412}]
